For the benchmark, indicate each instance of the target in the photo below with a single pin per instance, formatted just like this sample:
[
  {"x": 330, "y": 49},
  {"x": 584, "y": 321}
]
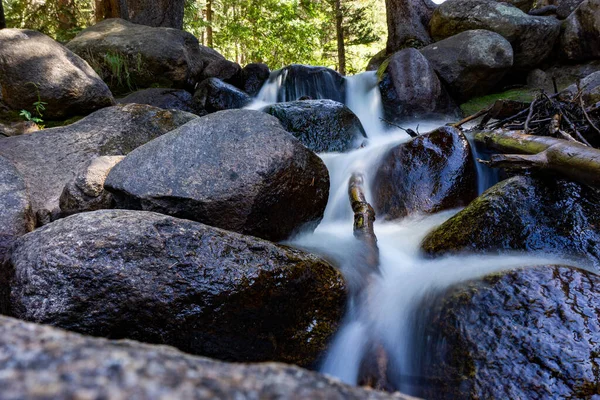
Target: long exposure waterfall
[{"x": 383, "y": 310}]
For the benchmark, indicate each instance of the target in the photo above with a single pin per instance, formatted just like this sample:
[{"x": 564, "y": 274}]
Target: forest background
[{"x": 340, "y": 34}]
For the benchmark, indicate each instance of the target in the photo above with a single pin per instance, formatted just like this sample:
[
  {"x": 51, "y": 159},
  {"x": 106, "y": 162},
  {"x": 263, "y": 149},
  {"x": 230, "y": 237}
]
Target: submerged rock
[
  {"x": 237, "y": 170},
  {"x": 321, "y": 125},
  {"x": 580, "y": 36},
  {"x": 130, "y": 56},
  {"x": 50, "y": 158},
  {"x": 532, "y": 38},
  {"x": 158, "y": 279},
  {"x": 86, "y": 191},
  {"x": 410, "y": 87},
  {"x": 34, "y": 68},
  {"x": 525, "y": 213},
  {"x": 471, "y": 62},
  {"x": 432, "y": 172},
  {"x": 215, "y": 95},
  {"x": 169, "y": 99},
  {"x": 16, "y": 218},
  {"x": 524, "y": 334}
]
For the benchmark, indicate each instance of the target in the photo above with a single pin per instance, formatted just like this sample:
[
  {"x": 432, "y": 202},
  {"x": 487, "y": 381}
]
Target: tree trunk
[
  {"x": 167, "y": 13},
  {"x": 209, "y": 20},
  {"x": 66, "y": 19},
  {"x": 339, "y": 28},
  {"x": 2, "y": 19},
  {"x": 408, "y": 22},
  {"x": 571, "y": 159}
]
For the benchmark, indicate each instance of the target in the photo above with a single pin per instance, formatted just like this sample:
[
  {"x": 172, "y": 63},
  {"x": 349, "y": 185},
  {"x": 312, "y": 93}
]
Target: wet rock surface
[
  {"x": 152, "y": 56},
  {"x": 320, "y": 125},
  {"x": 169, "y": 99},
  {"x": 41, "y": 362},
  {"x": 86, "y": 191},
  {"x": 524, "y": 334},
  {"x": 215, "y": 95},
  {"x": 16, "y": 218},
  {"x": 430, "y": 173},
  {"x": 311, "y": 82},
  {"x": 50, "y": 158},
  {"x": 471, "y": 62},
  {"x": 32, "y": 64},
  {"x": 253, "y": 77},
  {"x": 236, "y": 169},
  {"x": 531, "y": 37},
  {"x": 551, "y": 216},
  {"x": 580, "y": 36},
  {"x": 158, "y": 279},
  {"x": 411, "y": 88}
]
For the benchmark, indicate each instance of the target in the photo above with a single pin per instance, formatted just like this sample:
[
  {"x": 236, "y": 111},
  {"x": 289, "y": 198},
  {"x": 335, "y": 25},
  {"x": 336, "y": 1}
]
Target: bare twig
[{"x": 587, "y": 117}]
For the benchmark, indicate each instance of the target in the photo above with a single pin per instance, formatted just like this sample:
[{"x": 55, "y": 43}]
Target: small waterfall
[
  {"x": 486, "y": 177},
  {"x": 364, "y": 99}
]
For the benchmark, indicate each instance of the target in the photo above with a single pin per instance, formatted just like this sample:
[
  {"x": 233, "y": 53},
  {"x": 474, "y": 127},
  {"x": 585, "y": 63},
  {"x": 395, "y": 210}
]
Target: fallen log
[
  {"x": 364, "y": 217},
  {"x": 571, "y": 159}
]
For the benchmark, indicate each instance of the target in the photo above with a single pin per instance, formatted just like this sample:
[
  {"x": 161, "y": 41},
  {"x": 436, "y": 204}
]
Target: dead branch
[{"x": 364, "y": 217}]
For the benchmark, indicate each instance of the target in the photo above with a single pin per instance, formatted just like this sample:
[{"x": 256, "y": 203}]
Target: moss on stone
[{"x": 479, "y": 103}]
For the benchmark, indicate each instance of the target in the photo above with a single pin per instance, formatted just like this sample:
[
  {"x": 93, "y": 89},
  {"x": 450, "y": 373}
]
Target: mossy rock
[{"x": 479, "y": 103}]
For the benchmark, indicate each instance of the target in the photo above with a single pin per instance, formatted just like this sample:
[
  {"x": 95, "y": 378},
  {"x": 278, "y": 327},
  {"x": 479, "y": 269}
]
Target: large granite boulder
[
  {"x": 236, "y": 169},
  {"x": 550, "y": 216},
  {"x": 169, "y": 99},
  {"x": 222, "y": 69},
  {"x": 524, "y": 334},
  {"x": 50, "y": 158},
  {"x": 589, "y": 87},
  {"x": 34, "y": 68},
  {"x": 40, "y": 362},
  {"x": 410, "y": 87},
  {"x": 321, "y": 125},
  {"x": 215, "y": 95},
  {"x": 253, "y": 77},
  {"x": 580, "y": 36},
  {"x": 564, "y": 75},
  {"x": 432, "y": 172},
  {"x": 158, "y": 279},
  {"x": 305, "y": 81},
  {"x": 531, "y": 37},
  {"x": 86, "y": 191},
  {"x": 471, "y": 62},
  {"x": 16, "y": 218},
  {"x": 130, "y": 56}
]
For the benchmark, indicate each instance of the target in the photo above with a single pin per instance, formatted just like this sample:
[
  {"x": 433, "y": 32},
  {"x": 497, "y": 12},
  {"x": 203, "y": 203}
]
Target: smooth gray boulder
[
  {"x": 158, "y": 279},
  {"x": 169, "y": 99},
  {"x": 86, "y": 191},
  {"x": 16, "y": 218},
  {"x": 40, "y": 362},
  {"x": 321, "y": 125},
  {"x": 214, "y": 95},
  {"x": 471, "y": 62},
  {"x": 532, "y": 38},
  {"x": 580, "y": 36},
  {"x": 34, "y": 67},
  {"x": 131, "y": 57},
  {"x": 236, "y": 169},
  {"x": 253, "y": 77},
  {"x": 50, "y": 158},
  {"x": 410, "y": 88}
]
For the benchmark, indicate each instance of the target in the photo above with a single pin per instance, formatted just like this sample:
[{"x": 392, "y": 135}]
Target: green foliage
[
  {"x": 479, "y": 103},
  {"x": 38, "y": 106}
]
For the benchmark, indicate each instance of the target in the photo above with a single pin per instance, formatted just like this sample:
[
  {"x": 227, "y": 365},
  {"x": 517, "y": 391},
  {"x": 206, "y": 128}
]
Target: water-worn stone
[
  {"x": 33, "y": 68},
  {"x": 432, "y": 172},
  {"x": 321, "y": 125},
  {"x": 525, "y": 334},
  {"x": 16, "y": 218},
  {"x": 551, "y": 216},
  {"x": 130, "y": 56},
  {"x": 40, "y": 362},
  {"x": 236, "y": 169},
  {"x": 532, "y": 38},
  {"x": 222, "y": 69},
  {"x": 410, "y": 87},
  {"x": 305, "y": 81},
  {"x": 86, "y": 191},
  {"x": 580, "y": 36},
  {"x": 50, "y": 158},
  {"x": 253, "y": 77},
  {"x": 215, "y": 95},
  {"x": 158, "y": 279},
  {"x": 589, "y": 87},
  {"x": 18, "y": 128},
  {"x": 169, "y": 99},
  {"x": 471, "y": 62}
]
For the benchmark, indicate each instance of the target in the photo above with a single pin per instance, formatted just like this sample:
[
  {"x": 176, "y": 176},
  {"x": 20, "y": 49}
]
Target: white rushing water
[{"x": 382, "y": 308}]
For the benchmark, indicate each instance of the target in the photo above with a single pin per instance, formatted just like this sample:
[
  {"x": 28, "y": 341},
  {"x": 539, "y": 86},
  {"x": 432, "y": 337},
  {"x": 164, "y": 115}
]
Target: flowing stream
[{"x": 383, "y": 309}]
